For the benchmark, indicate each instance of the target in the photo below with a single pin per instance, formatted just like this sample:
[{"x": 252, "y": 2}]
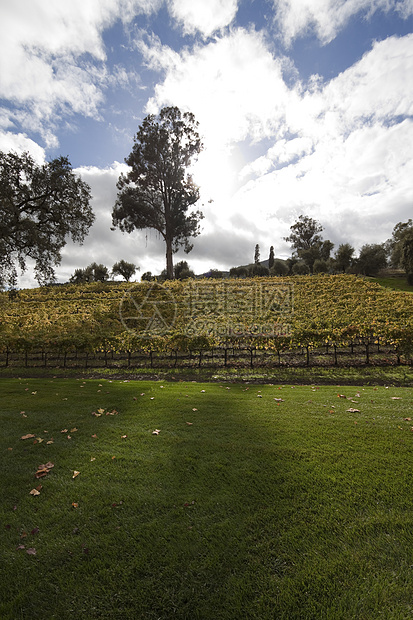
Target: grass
[
  {"x": 259, "y": 509},
  {"x": 395, "y": 283},
  {"x": 353, "y": 375}
]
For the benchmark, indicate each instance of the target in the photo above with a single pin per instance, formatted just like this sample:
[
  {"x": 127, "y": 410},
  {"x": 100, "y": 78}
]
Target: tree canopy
[
  {"x": 40, "y": 206},
  {"x": 124, "y": 269},
  {"x": 158, "y": 190},
  {"x": 306, "y": 241}
]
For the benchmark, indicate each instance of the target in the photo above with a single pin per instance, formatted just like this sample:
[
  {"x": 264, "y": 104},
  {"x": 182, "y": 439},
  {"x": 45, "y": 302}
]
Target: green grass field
[{"x": 251, "y": 501}]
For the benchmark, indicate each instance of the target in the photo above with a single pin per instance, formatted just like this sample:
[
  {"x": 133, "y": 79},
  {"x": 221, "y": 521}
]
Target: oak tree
[{"x": 40, "y": 207}]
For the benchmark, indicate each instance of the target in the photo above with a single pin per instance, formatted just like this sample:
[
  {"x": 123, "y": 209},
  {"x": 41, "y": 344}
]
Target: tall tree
[
  {"x": 271, "y": 257},
  {"x": 402, "y": 231},
  {"x": 257, "y": 254},
  {"x": 158, "y": 191},
  {"x": 306, "y": 241},
  {"x": 40, "y": 206},
  {"x": 343, "y": 257},
  {"x": 407, "y": 256},
  {"x": 372, "y": 259}
]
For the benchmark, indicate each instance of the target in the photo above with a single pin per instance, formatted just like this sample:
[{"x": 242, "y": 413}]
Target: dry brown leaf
[
  {"x": 75, "y": 473},
  {"x": 156, "y": 431},
  {"x": 352, "y": 410},
  {"x": 34, "y": 492},
  {"x": 29, "y": 436},
  {"x": 31, "y": 551}
]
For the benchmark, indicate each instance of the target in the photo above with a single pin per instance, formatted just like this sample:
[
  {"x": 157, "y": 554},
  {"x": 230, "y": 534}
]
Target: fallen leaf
[
  {"x": 75, "y": 473},
  {"x": 396, "y": 397},
  {"x": 123, "y": 436},
  {"x": 156, "y": 431},
  {"x": 189, "y": 423},
  {"x": 73, "y": 430},
  {"x": 352, "y": 410},
  {"x": 407, "y": 419},
  {"x": 69, "y": 437},
  {"x": 75, "y": 504},
  {"x": 29, "y": 436},
  {"x": 92, "y": 458},
  {"x": 34, "y": 492},
  {"x": 49, "y": 442},
  {"x": 31, "y": 551},
  {"x": 279, "y": 400},
  {"x": 35, "y": 531},
  {"x": 20, "y": 547},
  {"x": 194, "y": 409},
  {"x": 64, "y": 430},
  {"x": 341, "y": 396},
  {"x": 41, "y": 472},
  {"x": 101, "y": 411}
]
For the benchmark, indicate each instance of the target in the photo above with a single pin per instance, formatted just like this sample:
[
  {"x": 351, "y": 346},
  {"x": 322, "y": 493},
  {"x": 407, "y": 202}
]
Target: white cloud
[
  {"x": 339, "y": 147},
  {"x": 43, "y": 67},
  {"x": 325, "y": 18},
  {"x": 233, "y": 85},
  {"x": 20, "y": 143},
  {"x": 202, "y": 16}
]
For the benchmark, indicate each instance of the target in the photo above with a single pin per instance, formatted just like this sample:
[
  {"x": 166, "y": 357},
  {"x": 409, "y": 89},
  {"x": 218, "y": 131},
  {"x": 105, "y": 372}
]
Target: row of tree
[
  {"x": 41, "y": 206},
  {"x": 100, "y": 273},
  {"x": 312, "y": 254}
]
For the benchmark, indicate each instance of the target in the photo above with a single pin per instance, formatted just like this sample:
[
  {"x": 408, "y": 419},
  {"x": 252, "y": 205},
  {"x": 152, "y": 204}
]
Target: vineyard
[{"x": 304, "y": 320}]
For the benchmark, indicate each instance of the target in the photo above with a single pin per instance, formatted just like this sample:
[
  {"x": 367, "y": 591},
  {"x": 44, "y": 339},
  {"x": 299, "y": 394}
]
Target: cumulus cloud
[
  {"x": 204, "y": 17},
  {"x": 44, "y": 50},
  {"x": 329, "y": 147},
  {"x": 325, "y": 18},
  {"x": 234, "y": 85},
  {"x": 20, "y": 143}
]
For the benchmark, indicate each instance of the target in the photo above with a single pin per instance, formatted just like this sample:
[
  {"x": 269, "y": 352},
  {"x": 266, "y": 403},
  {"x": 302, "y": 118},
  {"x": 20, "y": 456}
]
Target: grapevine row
[{"x": 325, "y": 311}]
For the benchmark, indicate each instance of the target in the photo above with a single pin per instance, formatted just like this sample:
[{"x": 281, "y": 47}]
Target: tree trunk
[{"x": 169, "y": 262}]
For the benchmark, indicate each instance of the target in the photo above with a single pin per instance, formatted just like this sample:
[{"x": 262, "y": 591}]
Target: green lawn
[
  {"x": 241, "y": 507},
  {"x": 395, "y": 283}
]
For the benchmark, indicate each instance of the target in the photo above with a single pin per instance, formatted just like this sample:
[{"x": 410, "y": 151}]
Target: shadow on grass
[{"x": 234, "y": 511}]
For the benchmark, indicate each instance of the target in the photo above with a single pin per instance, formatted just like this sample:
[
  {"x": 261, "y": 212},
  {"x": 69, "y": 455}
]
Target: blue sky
[{"x": 305, "y": 107}]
